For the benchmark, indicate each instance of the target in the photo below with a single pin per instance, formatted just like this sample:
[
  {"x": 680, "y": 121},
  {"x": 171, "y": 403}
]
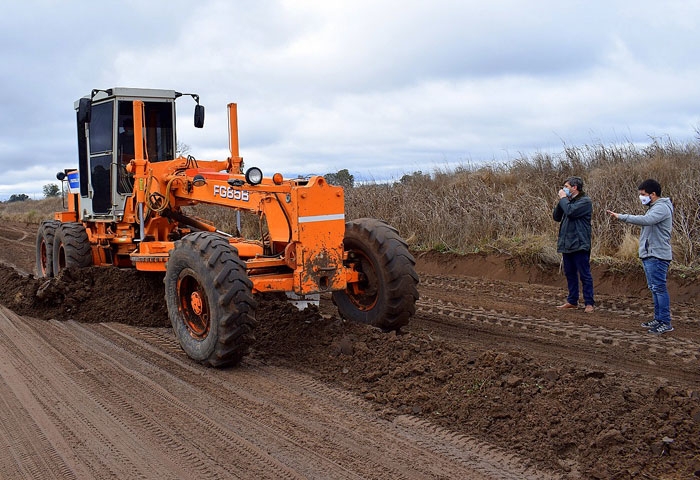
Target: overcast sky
[{"x": 380, "y": 87}]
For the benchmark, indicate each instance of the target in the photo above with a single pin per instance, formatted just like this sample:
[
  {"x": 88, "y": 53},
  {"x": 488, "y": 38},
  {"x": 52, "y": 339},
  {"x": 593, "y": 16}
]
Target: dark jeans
[
  {"x": 578, "y": 265},
  {"x": 656, "y": 269}
]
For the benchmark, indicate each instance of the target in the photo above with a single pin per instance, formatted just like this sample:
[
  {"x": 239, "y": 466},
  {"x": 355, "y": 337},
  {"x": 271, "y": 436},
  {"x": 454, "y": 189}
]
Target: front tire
[
  {"x": 210, "y": 301},
  {"x": 386, "y": 294},
  {"x": 71, "y": 247},
  {"x": 44, "y": 248}
]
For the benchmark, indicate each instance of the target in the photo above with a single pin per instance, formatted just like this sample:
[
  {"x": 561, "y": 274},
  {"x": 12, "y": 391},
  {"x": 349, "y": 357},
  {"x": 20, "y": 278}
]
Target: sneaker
[
  {"x": 651, "y": 324},
  {"x": 661, "y": 328}
]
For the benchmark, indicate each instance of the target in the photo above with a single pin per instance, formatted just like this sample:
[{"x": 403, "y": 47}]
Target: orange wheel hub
[
  {"x": 196, "y": 302},
  {"x": 193, "y": 308}
]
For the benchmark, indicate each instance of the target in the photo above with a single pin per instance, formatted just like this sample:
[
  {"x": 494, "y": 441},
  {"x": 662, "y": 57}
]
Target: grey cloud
[{"x": 374, "y": 86}]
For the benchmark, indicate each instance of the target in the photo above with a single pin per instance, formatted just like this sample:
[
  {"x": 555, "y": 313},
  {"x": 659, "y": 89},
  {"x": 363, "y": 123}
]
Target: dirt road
[
  {"x": 488, "y": 381},
  {"x": 115, "y": 401}
]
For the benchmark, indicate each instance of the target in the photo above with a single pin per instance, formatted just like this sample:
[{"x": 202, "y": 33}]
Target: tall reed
[{"x": 509, "y": 206}]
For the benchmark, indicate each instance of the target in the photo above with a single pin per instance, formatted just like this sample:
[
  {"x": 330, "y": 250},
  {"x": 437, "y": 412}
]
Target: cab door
[{"x": 100, "y": 143}]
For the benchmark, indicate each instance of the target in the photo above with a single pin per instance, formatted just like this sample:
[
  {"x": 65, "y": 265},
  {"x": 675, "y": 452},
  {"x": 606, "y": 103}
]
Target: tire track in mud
[
  {"x": 357, "y": 434},
  {"x": 18, "y": 238},
  {"x": 461, "y": 448},
  {"x": 209, "y": 387},
  {"x": 457, "y": 317},
  {"x": 37, "y": 384},
  {"x": 17, "y": 235},
  {"x": 574, "y": 349},
  {"x": 25, "y": 446},
  {"x": 187, "y": 441},
  {"x": 621, "y": 306},
  {"x": 686, "y": 350},
  {"x": 95, "y": 411},
  {"x": 113, "y": 414},
  {"x": 110, "y": 400}
]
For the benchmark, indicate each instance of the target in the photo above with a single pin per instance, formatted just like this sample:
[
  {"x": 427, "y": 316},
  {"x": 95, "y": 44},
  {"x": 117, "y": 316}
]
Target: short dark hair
[
  {"x": 650, "y": 186},
  {"x": 575, "y": 182}
]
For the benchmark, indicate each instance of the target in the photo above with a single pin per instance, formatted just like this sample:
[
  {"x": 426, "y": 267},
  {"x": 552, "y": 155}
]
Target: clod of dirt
[
  {"x": 87, "y": 295},
  {"x": 108, "y": 294}
]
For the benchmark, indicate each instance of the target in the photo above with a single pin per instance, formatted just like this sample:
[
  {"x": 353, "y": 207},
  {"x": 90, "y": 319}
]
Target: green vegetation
[
  {"x": 18, "y": 197},
  {"x": 508, "y": 208},
  {"x": 342, "y": 178},
  {"x": 51, "y": 190}
]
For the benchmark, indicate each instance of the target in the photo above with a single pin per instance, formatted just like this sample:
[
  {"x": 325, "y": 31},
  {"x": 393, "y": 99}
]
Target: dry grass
[
  {"x": 508, "y": 208},
  {"x": 31, "y": 211},
  {"x": 629, "y": 246}
]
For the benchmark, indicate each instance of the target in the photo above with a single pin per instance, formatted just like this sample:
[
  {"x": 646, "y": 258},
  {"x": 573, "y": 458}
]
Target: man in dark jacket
[{"x": 574, "y": 211}]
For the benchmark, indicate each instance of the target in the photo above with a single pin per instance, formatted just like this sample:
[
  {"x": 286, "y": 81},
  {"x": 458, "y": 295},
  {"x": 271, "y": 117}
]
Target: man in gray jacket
[
  {"x": 573, "y": 211},
  {"x": 654, "y": 250}
]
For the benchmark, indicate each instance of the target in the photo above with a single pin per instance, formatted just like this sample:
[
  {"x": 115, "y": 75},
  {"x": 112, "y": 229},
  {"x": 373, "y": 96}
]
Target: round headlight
[
  {"x": 253, "y": 175},
  {"x": 198, "y": 180}
]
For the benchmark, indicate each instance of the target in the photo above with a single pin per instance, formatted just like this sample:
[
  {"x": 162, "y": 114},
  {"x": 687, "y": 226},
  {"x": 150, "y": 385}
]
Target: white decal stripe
[{"x": 322, "y": 218}]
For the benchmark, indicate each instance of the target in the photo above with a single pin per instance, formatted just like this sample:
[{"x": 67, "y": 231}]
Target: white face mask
[{"x": 645, "y": 199}]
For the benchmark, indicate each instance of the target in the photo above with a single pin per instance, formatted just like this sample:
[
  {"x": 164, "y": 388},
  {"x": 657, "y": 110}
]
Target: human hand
[
  {"x": 612, "y": 214},
  {"x": 562, "y": 193}
]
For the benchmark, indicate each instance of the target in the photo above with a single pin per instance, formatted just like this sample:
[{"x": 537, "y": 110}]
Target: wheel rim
[
  {"x": 194, "y": 306},
  {"x": 364, "y": 293},
  {"x": 61, "y": 258},
  {"x": 43, "y": 258}
]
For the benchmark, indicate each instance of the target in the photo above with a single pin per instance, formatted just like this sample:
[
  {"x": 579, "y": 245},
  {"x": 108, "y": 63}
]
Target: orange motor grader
[{"x": 125, "y": 207}]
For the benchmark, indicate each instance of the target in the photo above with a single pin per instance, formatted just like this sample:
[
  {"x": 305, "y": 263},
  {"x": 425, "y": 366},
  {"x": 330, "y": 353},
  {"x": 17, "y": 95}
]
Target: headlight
[
  {"x": 198, "y": 180},
  {"x": 253, "y": 175}
]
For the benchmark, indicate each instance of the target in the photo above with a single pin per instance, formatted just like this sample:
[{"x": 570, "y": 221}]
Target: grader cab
[{"x": 127, "y": 207}]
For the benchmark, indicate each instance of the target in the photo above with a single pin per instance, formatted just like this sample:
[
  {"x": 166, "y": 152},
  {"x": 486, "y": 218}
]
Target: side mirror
[
  {"x": 198, "y": 116},
  {"x": 84, "y": 110}
]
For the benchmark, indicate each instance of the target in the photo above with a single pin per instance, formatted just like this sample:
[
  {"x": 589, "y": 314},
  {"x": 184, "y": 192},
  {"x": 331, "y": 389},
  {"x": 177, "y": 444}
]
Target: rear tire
[
  {"x": 210, "y": 301},
  {"x": 44, "y": 248},
  {"x": 386, "y": 294},
  {"x": 71, "y": 247}
]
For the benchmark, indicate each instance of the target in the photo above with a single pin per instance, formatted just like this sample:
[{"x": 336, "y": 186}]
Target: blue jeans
[
  {"x": 656, "y": 269},
  {"x": 578, "y": 264}
]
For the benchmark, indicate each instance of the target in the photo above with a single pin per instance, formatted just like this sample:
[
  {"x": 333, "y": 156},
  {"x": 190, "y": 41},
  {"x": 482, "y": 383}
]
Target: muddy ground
[{"x": 487, "y": 356}]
